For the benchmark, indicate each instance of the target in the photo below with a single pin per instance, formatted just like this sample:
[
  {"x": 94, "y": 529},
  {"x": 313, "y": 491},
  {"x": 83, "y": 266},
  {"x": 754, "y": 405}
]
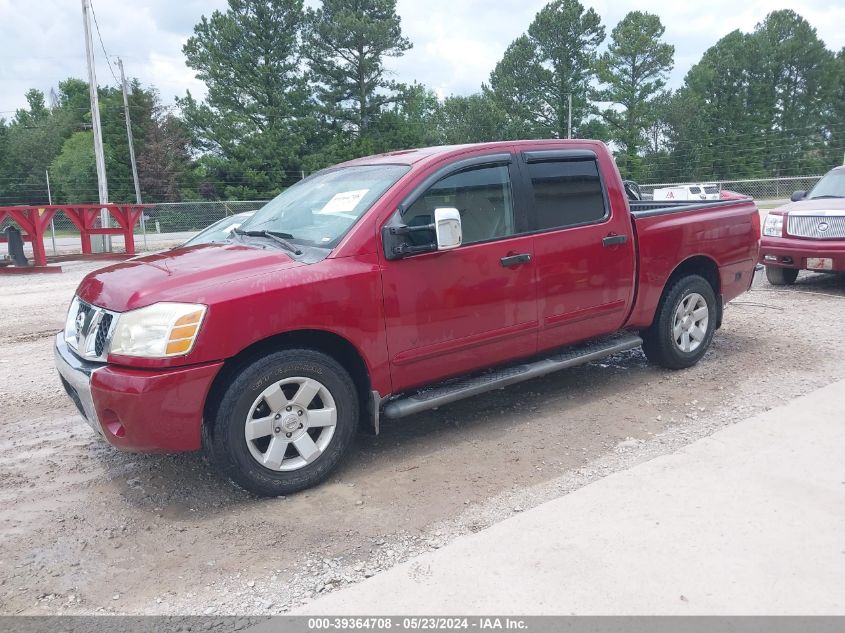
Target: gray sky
[{"x": 456, "y": 42}]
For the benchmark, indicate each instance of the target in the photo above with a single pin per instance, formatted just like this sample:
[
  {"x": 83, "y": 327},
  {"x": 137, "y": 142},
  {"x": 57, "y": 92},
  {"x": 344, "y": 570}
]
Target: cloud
[{"x": 456, "y": 42}]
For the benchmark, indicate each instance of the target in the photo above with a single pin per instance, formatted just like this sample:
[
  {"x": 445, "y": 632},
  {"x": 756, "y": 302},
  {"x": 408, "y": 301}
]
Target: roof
[
  {"x": 405, "y": 156},
  {"x": 412, "y": 156}
]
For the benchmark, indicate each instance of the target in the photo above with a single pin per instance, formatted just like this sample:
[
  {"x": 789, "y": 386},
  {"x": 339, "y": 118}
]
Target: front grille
[
  {"x": 89, "y": 337},
  {"x": 85, "y": 309},
  {"x": 818, "y": 227},
  {"x": 102, "y": 334}
]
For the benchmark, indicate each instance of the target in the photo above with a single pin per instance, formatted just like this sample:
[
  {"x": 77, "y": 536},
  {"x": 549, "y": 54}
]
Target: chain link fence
[
  {"x": 177, "y": 217},
  {"x": 166, "y": 225},
  {"x": 762, "y": 189},
  {"x": 170, "y": 224}
]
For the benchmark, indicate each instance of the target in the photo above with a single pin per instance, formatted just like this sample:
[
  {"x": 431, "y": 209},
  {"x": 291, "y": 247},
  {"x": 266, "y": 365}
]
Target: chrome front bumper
[{"x": 75, "y": 375}]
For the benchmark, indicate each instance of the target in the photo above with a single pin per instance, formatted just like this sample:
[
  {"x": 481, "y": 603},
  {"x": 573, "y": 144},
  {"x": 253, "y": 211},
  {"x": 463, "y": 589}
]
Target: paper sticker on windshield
[{"x": 344, "y": 202}]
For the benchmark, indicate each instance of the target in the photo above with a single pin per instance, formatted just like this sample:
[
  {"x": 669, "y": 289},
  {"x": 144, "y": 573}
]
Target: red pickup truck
[
  {"x": 389, "y": 285},
  {"x": 808, "y": 233}
]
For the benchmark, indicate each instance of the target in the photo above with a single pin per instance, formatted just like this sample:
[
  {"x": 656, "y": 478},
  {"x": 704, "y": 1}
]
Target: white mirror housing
[{"x": 447, "y": 226}]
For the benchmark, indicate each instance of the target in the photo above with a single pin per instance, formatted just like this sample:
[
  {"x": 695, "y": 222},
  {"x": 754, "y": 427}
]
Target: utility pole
[
  {"x": 569, "y": 127},
  {"x": 102, "y": 183},
  {"x": 132, "y": 148}
]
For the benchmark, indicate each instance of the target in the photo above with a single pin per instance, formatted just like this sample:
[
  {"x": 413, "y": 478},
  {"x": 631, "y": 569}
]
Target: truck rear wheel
[
  {"x": 684, "y": 325},
  {"x": 781, "y": 276},
  {"x": 284, "y": 422}
]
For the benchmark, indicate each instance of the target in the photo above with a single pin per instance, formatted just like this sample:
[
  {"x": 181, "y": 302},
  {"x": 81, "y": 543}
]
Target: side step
[{"x": 459, "y": 388}]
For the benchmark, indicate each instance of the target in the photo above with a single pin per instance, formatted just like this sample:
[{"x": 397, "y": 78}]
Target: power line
[
  {"x": 116, "y": 106},
  {"x": 100, "y": 37}
]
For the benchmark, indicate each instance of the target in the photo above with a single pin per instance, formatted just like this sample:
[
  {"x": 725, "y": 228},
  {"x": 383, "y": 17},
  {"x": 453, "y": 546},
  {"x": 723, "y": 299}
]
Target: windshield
[
  {"x": 320, "y": 210},
  {"x": 831, "y": 186}
]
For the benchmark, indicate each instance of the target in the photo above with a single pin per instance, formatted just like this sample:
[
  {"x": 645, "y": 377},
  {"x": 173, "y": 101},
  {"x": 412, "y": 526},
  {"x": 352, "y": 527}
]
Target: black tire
[
  {"x": 659, "y": 342},
  {"x": 781, "y": 276},
  {"x": 227, "y": 444}
]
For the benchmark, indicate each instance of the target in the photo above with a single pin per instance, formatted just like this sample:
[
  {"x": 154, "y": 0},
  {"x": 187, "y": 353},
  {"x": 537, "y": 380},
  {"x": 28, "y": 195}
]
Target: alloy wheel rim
[
  {"x": 689, "y": 328},
  {"x": 290, "y": 424}
]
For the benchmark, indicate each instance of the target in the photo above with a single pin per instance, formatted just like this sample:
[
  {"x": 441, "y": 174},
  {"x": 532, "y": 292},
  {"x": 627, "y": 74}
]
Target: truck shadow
[
  {"x": 480, "y": 446},
  {"x": 833, "y": 283},
  {"x": 186, "y": 485},
  {"x": 822, "y": 283}
]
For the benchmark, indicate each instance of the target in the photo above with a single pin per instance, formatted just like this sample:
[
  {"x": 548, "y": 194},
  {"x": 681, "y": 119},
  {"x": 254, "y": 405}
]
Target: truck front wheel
[
  {"x": 683, "y": 328},
  {"x": 781, "y": 276},
  {"x": 284, "y": 422}
]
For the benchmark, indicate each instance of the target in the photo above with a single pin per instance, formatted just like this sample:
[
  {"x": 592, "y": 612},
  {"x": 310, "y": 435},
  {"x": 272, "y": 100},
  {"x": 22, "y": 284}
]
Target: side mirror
[
  {"x": 445, "y": 233},
  {"x": 798, "y": 195},
  {"x": 447, "y": 226}
]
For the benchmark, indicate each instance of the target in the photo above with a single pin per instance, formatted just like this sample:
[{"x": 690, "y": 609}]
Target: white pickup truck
[{"x": 687, "y": 192}]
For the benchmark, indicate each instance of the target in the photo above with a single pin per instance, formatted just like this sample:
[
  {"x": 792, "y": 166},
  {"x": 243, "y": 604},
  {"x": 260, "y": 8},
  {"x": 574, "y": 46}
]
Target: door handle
[
  {"x": 515, "y": 260},
  {"x": 614, "y": 240}
]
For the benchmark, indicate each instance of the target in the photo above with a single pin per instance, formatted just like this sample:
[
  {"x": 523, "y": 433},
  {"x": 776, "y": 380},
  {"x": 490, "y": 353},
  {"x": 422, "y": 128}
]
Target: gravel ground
[{"x": 87, "y": 530}]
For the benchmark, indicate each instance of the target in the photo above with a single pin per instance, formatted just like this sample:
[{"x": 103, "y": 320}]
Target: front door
[{"x": 451, "y": 312}]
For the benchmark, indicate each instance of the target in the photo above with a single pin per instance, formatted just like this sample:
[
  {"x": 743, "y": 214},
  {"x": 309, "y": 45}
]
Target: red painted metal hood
[
  {"x": 819, "y": 204},
  {"x": 197, "y": 274}
]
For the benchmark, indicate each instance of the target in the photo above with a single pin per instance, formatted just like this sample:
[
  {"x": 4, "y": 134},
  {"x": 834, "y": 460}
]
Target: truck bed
[
  {"x": 724, "y": 234},
  {"x": 650, "y": 208}
]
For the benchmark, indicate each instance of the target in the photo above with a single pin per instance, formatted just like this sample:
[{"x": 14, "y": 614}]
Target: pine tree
[
  {"x": 255, "y": 114},
  {"x": 347, "y": 43},
  {"x": 633, "y": 72},
  {"x": 541, "y": 69}
]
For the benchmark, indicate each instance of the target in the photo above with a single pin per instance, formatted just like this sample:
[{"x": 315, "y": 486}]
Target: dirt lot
[{"x": 85, "y": 529}]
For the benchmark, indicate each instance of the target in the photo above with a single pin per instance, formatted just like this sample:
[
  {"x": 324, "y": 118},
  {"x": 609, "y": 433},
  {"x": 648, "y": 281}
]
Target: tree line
[{"x": 292, "y": 89}]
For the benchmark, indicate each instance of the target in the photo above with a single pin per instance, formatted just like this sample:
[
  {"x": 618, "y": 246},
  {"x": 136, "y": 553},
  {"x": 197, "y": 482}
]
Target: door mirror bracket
[{"x": 446, "y": 231}]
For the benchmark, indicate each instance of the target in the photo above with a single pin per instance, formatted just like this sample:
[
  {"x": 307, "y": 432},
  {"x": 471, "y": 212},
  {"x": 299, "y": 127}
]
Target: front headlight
[
  {"x": 773, "y": 226},
  {"x": 158, "y": 331}
]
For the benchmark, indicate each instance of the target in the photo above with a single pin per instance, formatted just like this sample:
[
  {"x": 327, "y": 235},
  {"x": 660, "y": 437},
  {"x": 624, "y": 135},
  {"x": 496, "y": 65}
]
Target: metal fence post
[
  {"x": 52, "y": 221},
  {"x": 144, "y": 227}
]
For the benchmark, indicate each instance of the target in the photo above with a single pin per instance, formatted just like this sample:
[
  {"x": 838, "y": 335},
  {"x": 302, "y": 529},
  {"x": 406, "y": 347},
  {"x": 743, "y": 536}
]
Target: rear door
[
  {"x": 451, "y": 312},
  {"x": 583, "y": 248}
]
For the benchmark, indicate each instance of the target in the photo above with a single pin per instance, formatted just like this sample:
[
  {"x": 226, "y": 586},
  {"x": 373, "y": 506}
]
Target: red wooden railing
[{"x": 34, "y": 221}]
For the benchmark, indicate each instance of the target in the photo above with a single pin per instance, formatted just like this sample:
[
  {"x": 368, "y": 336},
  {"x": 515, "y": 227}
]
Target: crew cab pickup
[
  {"x": 808, "y": 233},
  {"x": 389, "y": 285}
]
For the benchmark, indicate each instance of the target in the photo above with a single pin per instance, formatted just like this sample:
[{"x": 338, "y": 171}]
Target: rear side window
[
  {"x": 566, "y": 193},
  {"x": 695, "y": 189}
]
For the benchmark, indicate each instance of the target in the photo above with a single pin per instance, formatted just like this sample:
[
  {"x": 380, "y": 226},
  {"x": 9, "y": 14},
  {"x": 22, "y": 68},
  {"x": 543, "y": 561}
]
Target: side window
[
  {"x": 566, "y": 193},
  {"x": 483, "y": 197}
]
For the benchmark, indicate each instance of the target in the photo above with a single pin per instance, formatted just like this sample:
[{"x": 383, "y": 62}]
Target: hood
[
  {"x": 194, "y": 274},
  {"x": 816, "y": 207}
]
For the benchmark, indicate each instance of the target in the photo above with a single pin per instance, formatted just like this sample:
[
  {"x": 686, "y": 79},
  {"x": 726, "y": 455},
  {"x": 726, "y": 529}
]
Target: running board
[{"x": 460, "y": 388}]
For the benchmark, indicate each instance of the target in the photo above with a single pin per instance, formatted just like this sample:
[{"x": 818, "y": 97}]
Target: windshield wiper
[
  {"x": 276, "y": 236},
  {"x": 823, "y": 197}
]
